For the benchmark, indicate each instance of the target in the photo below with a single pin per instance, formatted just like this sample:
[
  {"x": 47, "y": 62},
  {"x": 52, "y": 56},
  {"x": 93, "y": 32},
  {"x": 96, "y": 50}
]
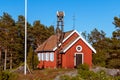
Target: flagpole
[{"x": 25, "y": 59}]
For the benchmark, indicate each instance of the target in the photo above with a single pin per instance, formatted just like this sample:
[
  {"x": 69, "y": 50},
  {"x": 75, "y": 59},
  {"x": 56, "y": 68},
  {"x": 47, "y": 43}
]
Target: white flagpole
[{"x": 25, "y": 63}]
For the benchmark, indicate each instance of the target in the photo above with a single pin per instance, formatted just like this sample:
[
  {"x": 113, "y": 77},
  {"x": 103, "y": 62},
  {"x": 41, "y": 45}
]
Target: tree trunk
[
  {"x": 0, "y": 60},
  {"x": 0, "y": 54},
  {"x": 5, "y": 59},
  {"x": 32, "y": 60},
  {"x": 11, "y": 61}
]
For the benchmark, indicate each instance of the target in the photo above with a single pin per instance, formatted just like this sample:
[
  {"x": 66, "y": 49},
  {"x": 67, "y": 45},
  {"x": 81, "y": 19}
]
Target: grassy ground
[{"x": 45, "y": 74}]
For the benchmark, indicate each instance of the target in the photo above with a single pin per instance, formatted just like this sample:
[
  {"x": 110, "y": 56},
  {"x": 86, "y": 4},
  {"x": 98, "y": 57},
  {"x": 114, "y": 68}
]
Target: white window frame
[
  {"x": 51, "y": 56},
  {"x": 42, "y": 57},
  {"x": 39, "y": 56},
  {"x": 47, "y": 56}
]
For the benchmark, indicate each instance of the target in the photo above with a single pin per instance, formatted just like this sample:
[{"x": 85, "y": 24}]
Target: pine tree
[{"x": 32, "y": 59}]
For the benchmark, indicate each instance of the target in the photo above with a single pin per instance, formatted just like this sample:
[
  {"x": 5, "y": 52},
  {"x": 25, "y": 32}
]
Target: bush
[
  {"x": 114, "y": 63},
  {"x": 85, "y": 73},
  {"x": 76, "y": 78},
  {"x": 65, "y": 77},
  {"x": 117, "y": 78},
  {"x": 88, "y": 75},
  {"x": 83, "y": 67},
  {"x": 5, "y": 75}
]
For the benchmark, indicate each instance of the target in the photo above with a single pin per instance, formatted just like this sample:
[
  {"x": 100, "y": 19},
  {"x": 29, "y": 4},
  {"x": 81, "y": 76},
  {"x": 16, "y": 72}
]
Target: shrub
[
  {"x": 85, "y": 73},
  {"x": 83, "y": 67},
  {"x": 65, "y": 77},
  {"x": 76, "y": 78},
  {"x": 5, "y": 75}
]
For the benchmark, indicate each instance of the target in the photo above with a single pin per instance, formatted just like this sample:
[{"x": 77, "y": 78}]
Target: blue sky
[
  {"x": 89, "y": 14},
  {"x": 12, "y": 7}
]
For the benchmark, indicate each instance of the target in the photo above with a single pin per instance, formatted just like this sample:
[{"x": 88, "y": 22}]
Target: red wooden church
[
  {"x": 75, "y": 50},
  {"x": 69, "y": 53}
]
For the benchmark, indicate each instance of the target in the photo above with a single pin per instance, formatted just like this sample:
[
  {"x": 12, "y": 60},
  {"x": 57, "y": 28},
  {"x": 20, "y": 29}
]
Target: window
[
  {"x": 47, "y": 56},
  {"x": 79, "y": 48},
  {"x": 42, "y": 57},
  {"x": 52, "y": 56},
  {"x": 39, "y": 56}
]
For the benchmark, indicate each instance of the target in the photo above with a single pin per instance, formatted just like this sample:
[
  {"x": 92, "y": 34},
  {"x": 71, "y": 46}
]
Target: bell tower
[
  {"x": 60, "y": 24},
  {"x": 60, "y": 36}
]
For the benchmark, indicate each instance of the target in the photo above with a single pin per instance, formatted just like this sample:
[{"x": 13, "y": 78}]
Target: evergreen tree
[
  {"x": 6, "y": 22},
  {"x": 32, "y": 59},
  {"x": 116, "y": 22},
  {"x": 116, "y": 33},
  {"x": 95, "y": 36}
]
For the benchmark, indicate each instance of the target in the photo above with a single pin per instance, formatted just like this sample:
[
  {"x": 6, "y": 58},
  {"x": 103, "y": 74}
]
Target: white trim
[
  {"x": 71, "y": 44},
  {"x": 69, "y": 36},
  {"x": 65, "y": 39},
  {"x": 75, "y": 41},
  {"x": 56, "y": 47},
  {"x": 75, "y": 58},
  {"x": 88, "y": 44},
  {"x": 85, "y": 42}
]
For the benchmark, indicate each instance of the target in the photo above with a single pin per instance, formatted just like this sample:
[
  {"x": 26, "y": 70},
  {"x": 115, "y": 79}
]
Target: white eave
[
  {"x": 80, "y": 37},
  {"x": 65, "y": 39},
  {"x": 88, "y": 44},
  {"x": 71, "y": 45}
]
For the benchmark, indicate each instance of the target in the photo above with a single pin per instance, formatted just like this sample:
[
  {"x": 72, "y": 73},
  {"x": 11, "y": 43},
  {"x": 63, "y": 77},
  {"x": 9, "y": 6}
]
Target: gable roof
[
  {"x": 51, "y": 43},
  {"x": 72, "y": 32},
  {"x": 71, "y": 43}
]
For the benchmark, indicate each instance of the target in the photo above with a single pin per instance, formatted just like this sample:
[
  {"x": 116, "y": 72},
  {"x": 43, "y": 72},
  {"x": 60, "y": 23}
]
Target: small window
[
  {"x": 79, "y": 48},
  {"x": 51, "y": 56}
]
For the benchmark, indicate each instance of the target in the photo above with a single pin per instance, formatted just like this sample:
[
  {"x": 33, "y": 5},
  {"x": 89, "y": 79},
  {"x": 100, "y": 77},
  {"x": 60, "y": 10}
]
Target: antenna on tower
[{"x": 73, "y": 21}]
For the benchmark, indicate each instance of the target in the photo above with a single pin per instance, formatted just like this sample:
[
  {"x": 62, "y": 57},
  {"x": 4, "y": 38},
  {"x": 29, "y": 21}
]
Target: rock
[{"x": 111, "y": 72}]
